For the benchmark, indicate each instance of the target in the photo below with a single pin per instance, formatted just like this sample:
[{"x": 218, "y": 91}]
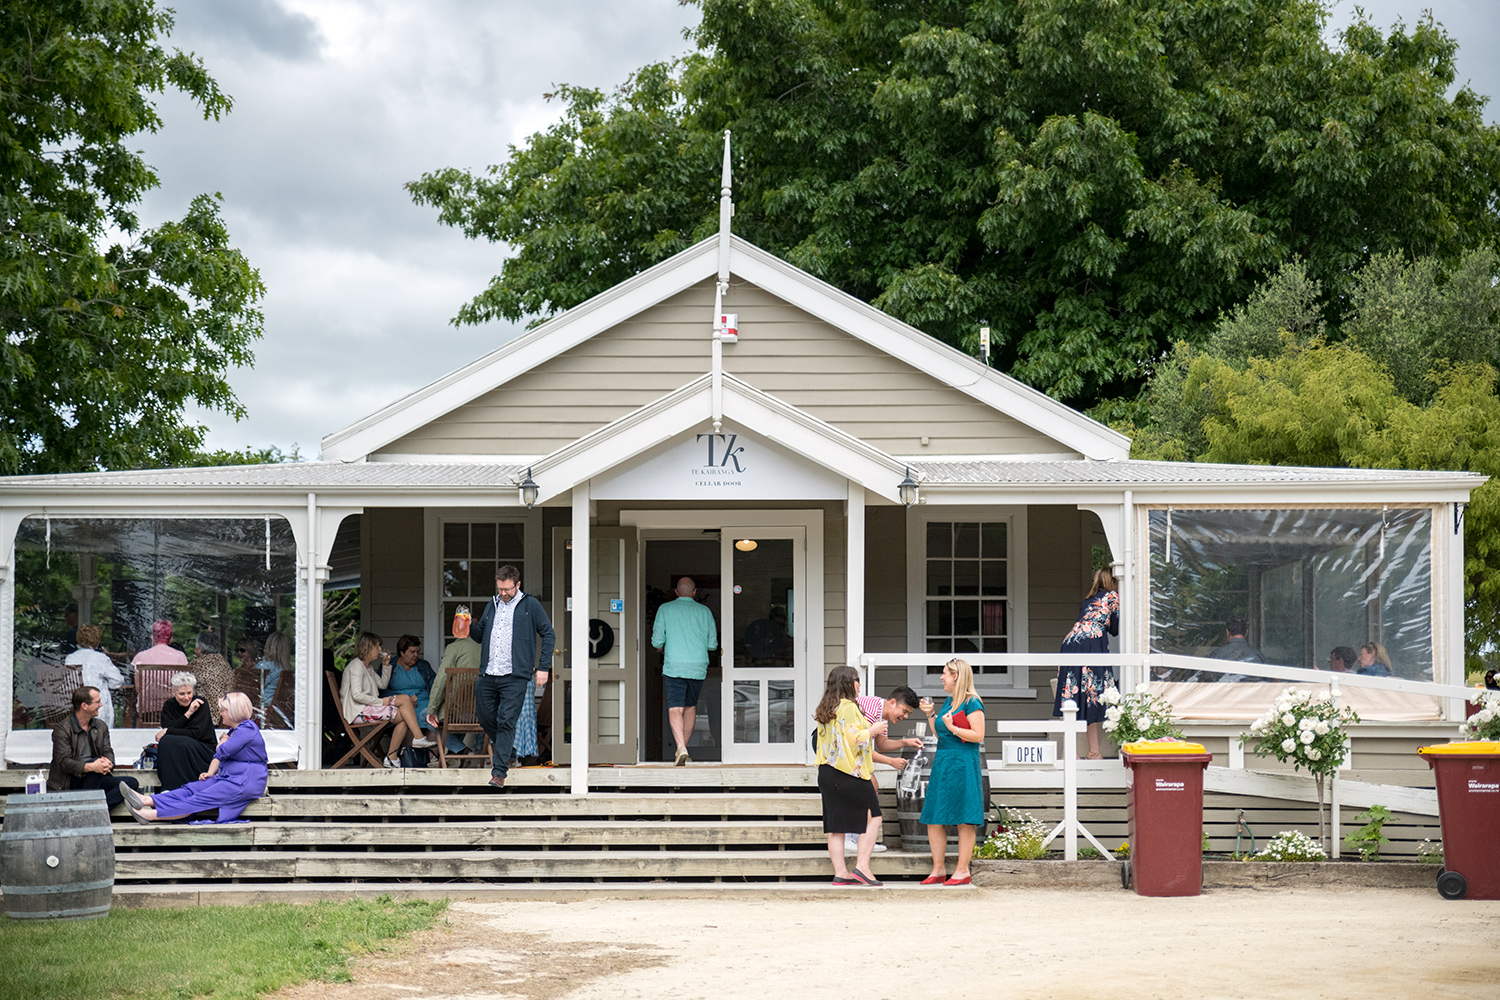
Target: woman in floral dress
[{"x": 1100, "y": 614}]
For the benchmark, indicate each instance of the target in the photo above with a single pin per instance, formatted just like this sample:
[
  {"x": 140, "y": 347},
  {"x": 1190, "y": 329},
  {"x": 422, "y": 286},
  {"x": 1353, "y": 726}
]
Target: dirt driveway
[{"x": 967, "y": 944}]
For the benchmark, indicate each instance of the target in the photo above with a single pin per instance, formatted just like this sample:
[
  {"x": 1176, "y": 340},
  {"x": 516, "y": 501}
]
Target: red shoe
[
  {"x": 958, "y": 881},
  {"x": 934, "y": 880}
]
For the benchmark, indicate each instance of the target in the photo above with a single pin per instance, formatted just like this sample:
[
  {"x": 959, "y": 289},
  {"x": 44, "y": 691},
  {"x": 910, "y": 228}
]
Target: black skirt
[
  {"x": 849, "y": 803},
  {"x": 180, "y": 759}
]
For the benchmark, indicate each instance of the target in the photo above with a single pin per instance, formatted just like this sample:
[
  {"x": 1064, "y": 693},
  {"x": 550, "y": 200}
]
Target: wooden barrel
[
  {"x": 911, "y": 793},
  {"x": 57, "y": 856}
]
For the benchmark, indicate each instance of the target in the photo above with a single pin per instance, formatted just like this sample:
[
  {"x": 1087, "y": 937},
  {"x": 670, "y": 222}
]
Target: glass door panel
[{"x": 764, "y": 602}]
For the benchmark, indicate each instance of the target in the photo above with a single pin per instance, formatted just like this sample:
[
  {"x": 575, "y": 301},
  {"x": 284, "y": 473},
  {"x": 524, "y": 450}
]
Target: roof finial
[
  {"x": 726, "y": 212},
  {"x": 721, "y": 335}
]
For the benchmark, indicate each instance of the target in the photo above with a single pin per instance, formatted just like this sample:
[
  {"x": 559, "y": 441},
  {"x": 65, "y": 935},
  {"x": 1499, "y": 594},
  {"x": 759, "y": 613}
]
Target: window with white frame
[
  {"x": 962, "y": 590},
  {"x": 471, "y": 552}
]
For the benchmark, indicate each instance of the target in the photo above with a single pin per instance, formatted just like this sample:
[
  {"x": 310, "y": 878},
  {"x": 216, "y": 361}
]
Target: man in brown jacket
[{"x": 82, "y": 757}]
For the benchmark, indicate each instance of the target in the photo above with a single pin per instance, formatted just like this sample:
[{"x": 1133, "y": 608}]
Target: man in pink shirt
[{"x": 893, "y": 709}]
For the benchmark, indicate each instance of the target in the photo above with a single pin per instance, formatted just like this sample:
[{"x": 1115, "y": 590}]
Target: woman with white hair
[
  {"x": 185, "y": 741},
  {"x": 236, "y": 775}
]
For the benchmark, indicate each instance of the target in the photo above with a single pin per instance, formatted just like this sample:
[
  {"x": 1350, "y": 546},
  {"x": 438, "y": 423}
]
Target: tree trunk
[{"x": 1322, "y": 829}]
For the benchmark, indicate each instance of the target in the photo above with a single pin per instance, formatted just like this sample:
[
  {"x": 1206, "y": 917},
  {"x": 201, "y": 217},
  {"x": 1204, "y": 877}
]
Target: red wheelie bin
[
  {"x": 1468, "y": 791},
  {"x": 1164, "y": 809}
]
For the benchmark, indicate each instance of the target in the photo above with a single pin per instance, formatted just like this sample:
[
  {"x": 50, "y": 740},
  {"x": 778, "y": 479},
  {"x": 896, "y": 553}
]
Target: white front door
[
  {"x": 613, "y": 646},
  {"x": 764, "y": 638}
]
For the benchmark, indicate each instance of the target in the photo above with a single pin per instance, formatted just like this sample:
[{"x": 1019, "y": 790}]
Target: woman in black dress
[
  {"x": 1099, "y": 614},
  {"x": 185, "y": 741}
]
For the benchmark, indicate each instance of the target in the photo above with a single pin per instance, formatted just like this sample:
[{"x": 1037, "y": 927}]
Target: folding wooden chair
[
  {"x": 354, "y": 729},
  {"x": 153, "y": 686},
  {"x": 55, "y": 687},
  {"x": 459, "y": 715}
]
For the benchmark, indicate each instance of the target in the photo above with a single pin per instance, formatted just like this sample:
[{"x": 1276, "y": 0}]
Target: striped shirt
[{"x": 872, "y": 707}]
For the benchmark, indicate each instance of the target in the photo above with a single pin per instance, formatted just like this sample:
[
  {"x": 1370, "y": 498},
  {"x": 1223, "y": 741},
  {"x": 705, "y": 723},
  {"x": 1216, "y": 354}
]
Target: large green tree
[
  {"x": 1097, "y": 179},
  {"x": 1406, "y": 381},
  {"x": 110, "y": 329}
]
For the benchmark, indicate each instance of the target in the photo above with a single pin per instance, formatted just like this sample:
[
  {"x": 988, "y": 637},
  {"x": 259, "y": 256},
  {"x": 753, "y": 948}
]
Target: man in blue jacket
[{"x": 509, "y": 629}]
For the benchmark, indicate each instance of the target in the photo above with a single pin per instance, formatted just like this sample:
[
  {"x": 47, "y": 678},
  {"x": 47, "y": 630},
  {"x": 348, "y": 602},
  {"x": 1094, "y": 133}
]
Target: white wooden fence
[{"x": 1131, "y": 668}]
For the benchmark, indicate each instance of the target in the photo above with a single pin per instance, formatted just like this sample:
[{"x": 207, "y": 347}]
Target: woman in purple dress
[
  {"x": 236, "y": 775},
  {"x": 1100, "y": 614}
]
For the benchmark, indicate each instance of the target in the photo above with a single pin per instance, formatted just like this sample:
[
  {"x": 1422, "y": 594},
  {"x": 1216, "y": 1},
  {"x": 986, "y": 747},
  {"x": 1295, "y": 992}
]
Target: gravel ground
[{"x": 964, "y": 943}]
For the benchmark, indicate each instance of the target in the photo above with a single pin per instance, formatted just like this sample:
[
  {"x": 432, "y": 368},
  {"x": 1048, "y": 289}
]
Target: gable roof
[
  {"x": 692, "y": 406},
  {"x": 819, "y": 299}
]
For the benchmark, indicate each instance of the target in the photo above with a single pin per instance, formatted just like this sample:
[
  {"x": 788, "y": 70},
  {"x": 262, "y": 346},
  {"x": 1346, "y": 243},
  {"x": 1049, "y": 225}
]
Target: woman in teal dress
[
  {"x": 411, "y": 675},
  {"x": 955, "y": 789}
]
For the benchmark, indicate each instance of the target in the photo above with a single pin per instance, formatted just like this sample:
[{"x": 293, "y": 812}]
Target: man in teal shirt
[{"x": 685, "y": 631}]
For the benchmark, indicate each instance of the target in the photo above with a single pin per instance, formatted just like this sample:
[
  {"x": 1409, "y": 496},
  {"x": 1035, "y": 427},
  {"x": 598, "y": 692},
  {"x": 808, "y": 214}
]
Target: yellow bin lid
[
  {"x": 1466, "y": 747},
  {"x": 1163, "y": 746}
]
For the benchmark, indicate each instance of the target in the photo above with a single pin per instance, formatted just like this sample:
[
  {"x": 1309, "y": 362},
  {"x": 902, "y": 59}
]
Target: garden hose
[{"x": 1242, "y": 829}]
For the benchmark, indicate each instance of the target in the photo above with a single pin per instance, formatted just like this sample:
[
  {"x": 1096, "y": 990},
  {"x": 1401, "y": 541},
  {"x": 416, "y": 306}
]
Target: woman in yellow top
[{"x": 845, "y": 763}]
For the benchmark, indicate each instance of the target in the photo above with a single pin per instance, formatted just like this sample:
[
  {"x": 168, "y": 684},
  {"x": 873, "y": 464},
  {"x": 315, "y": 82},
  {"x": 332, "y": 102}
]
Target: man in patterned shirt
[{"x": 893, "y": 710}]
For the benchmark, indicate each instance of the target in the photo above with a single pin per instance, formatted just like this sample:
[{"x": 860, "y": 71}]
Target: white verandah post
[
  {"x": 854, "y": 585},
  {"x": 10, "y": 521},
  {"x": 578, "y": 642}
]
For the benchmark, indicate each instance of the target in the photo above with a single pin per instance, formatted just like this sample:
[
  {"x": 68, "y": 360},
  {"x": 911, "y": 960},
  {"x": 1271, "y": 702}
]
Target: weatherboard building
[{"x": 844, "y": 488}]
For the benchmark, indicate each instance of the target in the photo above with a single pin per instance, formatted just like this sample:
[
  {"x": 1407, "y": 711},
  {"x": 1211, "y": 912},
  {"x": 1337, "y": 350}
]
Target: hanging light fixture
[
  {"x": 907, "y": 490},
  {"x": 747, "y": 545},
  {"x": 529, "y": 489}
]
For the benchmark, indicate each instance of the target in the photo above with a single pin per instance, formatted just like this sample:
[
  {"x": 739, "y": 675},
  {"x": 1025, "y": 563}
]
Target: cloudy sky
[{"x": 340, "y": 102}]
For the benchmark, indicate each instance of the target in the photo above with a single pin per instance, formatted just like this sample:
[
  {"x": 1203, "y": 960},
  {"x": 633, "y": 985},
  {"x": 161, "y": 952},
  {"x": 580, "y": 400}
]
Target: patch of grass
[{"x": 222, "y": 952}]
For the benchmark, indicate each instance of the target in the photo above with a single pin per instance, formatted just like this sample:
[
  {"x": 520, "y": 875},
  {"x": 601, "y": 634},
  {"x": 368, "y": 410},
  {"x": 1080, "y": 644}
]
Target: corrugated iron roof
[
  {"x": 312, "y": 475},
  {"x": 999, "y": 472},
  {"x": 504, "y": 475}
]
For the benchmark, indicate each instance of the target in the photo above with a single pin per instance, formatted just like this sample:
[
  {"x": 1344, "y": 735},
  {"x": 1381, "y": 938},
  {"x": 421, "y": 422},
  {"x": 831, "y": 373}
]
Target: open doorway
[{"x": 664, "y": 561}]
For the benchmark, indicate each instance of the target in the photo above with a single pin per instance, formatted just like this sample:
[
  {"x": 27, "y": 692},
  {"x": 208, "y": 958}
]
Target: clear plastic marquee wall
[
  {"x": 1305, "y": 582},
  {"x": 230, "y": 579}
]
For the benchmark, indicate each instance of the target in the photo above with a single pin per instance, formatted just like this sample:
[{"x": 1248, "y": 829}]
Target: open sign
[{"x": 1030, "y": 751}]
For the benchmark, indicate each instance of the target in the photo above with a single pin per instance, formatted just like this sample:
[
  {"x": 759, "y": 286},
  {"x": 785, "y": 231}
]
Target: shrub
[
  {"x": 1290, "y": 845},
  {"x": 1139, "y": 715},
  {"x": 1022, "y": 839},
  {"x": 1309, "y": 733},
  {"x": 1368, "y": 838},
  {"x": 1485, "y": 723}
]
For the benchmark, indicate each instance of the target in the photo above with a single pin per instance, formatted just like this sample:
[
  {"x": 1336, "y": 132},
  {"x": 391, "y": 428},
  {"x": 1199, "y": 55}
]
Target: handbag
[
  {"x": 148, "y": 758},
  {"x": 960, "y": 720},
  {"x": 414, "y": 757}
]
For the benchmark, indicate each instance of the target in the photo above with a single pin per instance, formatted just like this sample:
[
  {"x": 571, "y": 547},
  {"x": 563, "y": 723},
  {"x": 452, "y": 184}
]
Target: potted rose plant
[
  {"x": 1139, "y": 715},
  {"x": 1485, "y": 723},
  {"x": 1307, "y": 731}
]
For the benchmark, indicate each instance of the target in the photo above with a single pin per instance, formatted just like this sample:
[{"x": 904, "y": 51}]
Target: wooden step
[
  {"x": 491, "y": 805},
  {"x": 501, "y": 835},
  {"x": 480, "y": 865}
]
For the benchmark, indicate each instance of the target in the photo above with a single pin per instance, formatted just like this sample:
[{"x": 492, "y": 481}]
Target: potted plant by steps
[
  {"x": 1307, "y": 731},
  {"x": 1139, "y": 715}
]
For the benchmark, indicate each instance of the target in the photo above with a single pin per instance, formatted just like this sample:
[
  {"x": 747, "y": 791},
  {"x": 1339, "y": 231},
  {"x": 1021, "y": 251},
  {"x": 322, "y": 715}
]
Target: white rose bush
[
  {"x": 1485, "y": 723},
  {"x": 1306, "y": 731},
  {"x": 1139, "y": 715}
]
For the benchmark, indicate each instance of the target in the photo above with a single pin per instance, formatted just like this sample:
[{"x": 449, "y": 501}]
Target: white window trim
[
  {"x": 434, "y": 518},
  {"x": 1016, "y": 563}
]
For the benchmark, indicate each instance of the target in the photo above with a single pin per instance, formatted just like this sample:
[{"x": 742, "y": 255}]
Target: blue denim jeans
[{"x": 497, "y": 700}]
